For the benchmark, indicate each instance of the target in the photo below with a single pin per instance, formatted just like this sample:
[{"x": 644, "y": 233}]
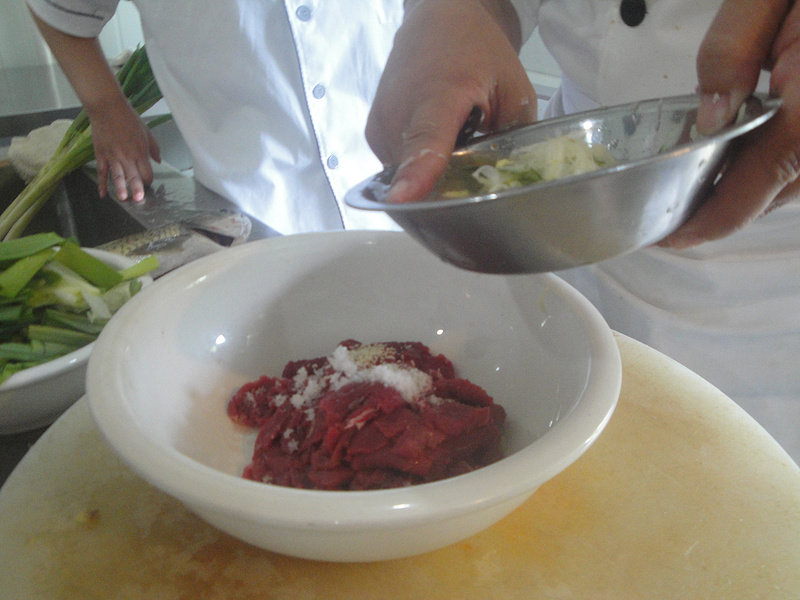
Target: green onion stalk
[
  {"x": 76, "y": 147},
  {"x": 56, "y": 297}
]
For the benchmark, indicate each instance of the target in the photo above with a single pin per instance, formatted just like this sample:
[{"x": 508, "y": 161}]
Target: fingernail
[
  {"x": 398, "y": 192},
  {"x": 715, "y": 111}
]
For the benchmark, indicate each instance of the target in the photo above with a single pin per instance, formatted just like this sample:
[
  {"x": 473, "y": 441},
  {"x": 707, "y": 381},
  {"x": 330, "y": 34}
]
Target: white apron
[{"x": 729, "y": 310}]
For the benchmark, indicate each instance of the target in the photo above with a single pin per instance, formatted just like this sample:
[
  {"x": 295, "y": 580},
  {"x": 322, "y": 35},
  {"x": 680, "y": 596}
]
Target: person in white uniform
[
  {"x": 270, "y": 96},
  {"x": 722, "y": 295}
]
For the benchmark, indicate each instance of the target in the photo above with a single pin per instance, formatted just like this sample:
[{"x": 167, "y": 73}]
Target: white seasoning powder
[
  {"x": 410, "y": 382},
  {"x": 357, "y": 366},
  {"x": 342, "y": 363},
  {"x": 308, "y": 387}
]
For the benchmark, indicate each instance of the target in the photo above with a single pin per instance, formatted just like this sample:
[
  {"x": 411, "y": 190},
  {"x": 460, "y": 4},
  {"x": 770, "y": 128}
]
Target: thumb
[
  {"x": 733, "y": 52},
  {"x": 426, "y": 148}
]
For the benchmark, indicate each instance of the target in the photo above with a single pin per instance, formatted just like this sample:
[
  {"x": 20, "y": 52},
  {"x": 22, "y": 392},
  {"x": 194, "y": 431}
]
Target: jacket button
[{"x": 632, "y": 12}]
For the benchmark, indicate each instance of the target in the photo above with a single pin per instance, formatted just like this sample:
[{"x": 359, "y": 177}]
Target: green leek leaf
[
  {"x": 31, "y": 244},
  {"x": 92, "y": 269},
  {"x": 15, "y": 277}
]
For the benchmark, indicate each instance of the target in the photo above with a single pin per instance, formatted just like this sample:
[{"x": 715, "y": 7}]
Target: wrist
[
  {"x": 500, "y": 11},
  {"x": 505, "y": 15},
  {"x": 111, "y": 107}
]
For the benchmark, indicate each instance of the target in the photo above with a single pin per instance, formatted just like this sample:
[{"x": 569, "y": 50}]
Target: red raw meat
[{"x": 369, "y": 416}]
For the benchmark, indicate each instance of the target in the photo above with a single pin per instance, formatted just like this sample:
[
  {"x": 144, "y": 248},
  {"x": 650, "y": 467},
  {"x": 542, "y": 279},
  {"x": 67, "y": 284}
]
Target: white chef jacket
[
  {"x": 271, "y": 97},
  {"x": 730, "y": 309}
]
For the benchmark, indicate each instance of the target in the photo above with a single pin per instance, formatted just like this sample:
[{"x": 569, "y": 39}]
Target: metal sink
[
  {"x": 75, "y": 210},
  {"x": 38, "y": 96}
]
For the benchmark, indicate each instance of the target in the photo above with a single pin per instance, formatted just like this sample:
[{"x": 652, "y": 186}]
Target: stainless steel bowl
[{"x": 663, "y": 172}]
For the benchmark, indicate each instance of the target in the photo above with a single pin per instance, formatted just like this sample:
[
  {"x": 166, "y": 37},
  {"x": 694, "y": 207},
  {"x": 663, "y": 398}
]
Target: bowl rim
[
  {"x": 206, "y": 488},
  {"x": 57, "y": 366},
  {"x": 357, "y": 196}
]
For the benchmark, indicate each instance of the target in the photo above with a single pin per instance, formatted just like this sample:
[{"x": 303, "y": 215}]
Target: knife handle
[{"x": 470, "y": 127}]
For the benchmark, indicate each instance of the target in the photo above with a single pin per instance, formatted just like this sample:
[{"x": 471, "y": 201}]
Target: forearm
[
  {"x": 506, "y": 17},
  {"x": 501, "y": 11},
  {"x": 86, "y": 68},
  {"x": 123, "y": 145}
]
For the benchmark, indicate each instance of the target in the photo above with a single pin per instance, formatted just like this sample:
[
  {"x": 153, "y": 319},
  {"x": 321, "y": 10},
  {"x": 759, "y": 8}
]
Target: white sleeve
[{"x": 81, "y": 18}]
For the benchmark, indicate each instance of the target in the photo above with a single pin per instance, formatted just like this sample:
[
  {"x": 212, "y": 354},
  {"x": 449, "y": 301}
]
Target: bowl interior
[
  {"x": 166, "y": 366},
  {"x": 637, "y": 133}
]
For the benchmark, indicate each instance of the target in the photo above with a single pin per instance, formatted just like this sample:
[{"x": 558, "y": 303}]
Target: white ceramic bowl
[
  {"x": 164, "y": 369},
  {"x": 35, "y": 397}
]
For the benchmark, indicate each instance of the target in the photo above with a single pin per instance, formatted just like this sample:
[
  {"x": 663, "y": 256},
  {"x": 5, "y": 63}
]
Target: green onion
[
  {"x": 92, "y": 269},
  {"x": 56, "y": 298},
  {"x": 146, "y": 265},
  {"x": 17, "y": 276},
  {"x": 59, "y": 335},
  {"x": 18, "y": 248},
  {"x": 76, "y": 321},
  {"x": 76, "y": 148},
  {"x": 11, "y": 313},
  {"x": 33, "y": 352}
]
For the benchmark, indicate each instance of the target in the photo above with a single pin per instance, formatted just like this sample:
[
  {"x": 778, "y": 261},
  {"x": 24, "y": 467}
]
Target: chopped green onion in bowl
[
  {"x": 55, "y": 297},
  {"x": 554, "y": 158}
]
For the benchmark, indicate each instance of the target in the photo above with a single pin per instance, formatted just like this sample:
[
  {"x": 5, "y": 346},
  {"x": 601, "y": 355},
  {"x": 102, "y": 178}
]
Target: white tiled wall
[{"x": 21, "y": 45}]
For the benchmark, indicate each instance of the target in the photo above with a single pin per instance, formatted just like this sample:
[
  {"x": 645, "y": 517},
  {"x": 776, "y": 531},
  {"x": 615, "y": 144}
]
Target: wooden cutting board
[{"x": 683, "y": 496}]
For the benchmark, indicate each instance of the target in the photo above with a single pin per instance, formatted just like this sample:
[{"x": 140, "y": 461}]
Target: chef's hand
[
  {"x": 448, "y": 57},
  {"x": 746, "y": 36},
  {"x": 123, "y": 146}
]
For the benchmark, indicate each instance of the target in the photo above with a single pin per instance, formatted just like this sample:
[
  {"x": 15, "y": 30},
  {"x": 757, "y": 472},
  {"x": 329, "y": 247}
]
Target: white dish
[
  {"x": 35, "y": 397},
  {"x": 165, "y": 367}
]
